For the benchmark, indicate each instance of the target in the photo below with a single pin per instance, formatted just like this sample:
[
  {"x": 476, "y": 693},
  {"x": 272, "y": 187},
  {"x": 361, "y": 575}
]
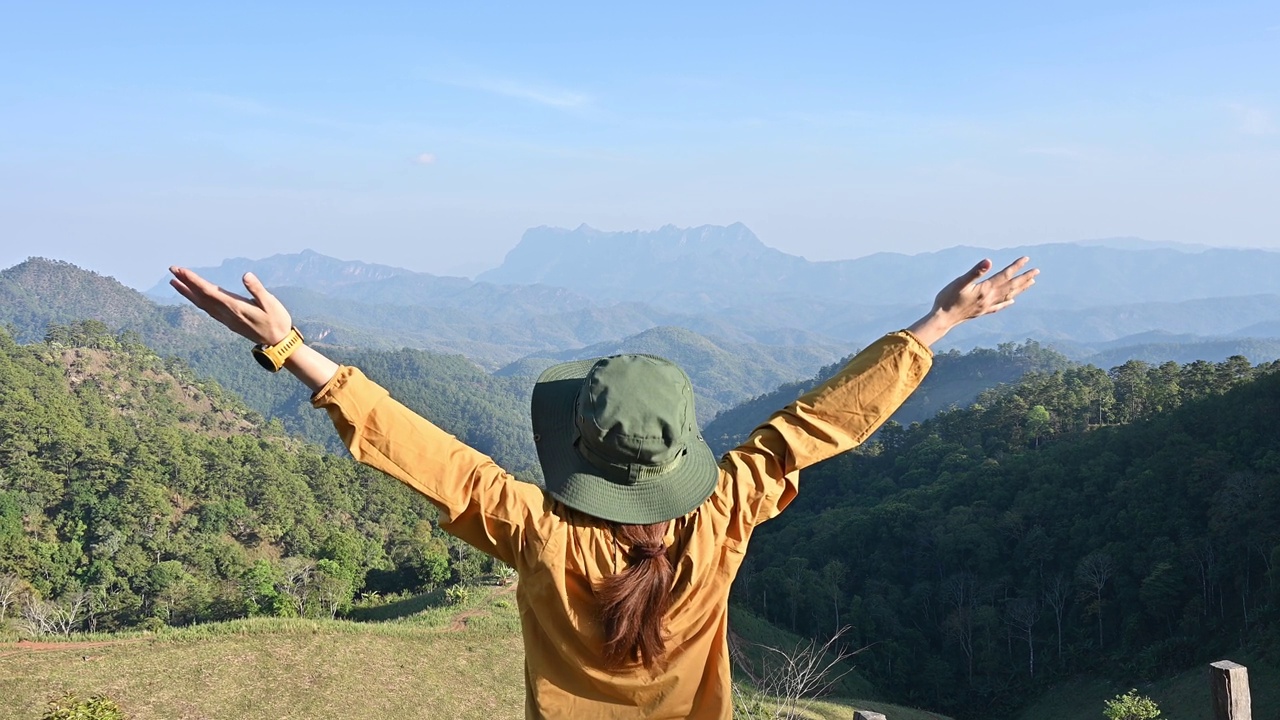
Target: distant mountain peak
[
  {"x": 558, "y": 256},
  {"x": 1137, "y": 243},
  {"x": 306, "y": 268}
]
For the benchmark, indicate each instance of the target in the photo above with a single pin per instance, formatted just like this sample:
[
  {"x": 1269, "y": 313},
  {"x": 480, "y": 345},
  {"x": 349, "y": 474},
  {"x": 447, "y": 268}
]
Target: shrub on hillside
[
  {"x": 70, "y": 707},
  {"x": 1131, "y": 706},
  {"x": 457, "y": 595}
]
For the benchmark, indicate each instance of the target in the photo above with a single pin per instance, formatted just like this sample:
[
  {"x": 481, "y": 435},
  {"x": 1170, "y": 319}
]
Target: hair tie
[{"x": 647, "y": 552}]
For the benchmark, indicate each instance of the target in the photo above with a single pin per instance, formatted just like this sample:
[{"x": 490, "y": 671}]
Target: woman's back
[
  {"x": 567, "y": 674},
  {"x": 562, "y": 555},
  {"x": 617, "y": 440}
]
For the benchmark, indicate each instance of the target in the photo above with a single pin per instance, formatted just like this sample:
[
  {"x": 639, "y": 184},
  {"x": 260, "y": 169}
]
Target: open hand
[
  {"x": 260, "y": 318},
  {"x": 968, "y": 297},
  {"x": 965, "y": 298}
]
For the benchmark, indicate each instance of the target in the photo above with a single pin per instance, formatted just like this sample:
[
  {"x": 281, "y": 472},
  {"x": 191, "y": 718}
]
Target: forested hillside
[
  {"x": 132, "y": 492},
  {"x": 955, "y": 380},
  {"x": 38, "y": 292},
  {"x": 1083, "y": 521}
]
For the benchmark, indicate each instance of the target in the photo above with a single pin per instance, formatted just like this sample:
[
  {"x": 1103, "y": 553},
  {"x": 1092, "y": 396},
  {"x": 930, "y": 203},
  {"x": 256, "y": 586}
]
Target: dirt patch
[
  {"x": 460, "y": 620},
  {"x": 25, "y": 646}
]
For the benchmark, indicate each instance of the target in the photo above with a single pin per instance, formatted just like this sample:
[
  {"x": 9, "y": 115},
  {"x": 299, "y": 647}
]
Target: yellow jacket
[{"x": 558, "y": 556}]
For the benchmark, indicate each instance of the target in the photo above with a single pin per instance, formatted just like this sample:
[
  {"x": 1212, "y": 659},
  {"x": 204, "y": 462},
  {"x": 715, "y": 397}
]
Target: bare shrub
[
  {"x": 60, "y": 617},
  {"x": 792, "y": 678}
]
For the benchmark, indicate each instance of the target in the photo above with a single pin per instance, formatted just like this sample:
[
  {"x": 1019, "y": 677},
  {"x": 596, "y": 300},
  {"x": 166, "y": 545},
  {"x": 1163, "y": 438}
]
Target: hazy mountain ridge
[
  {"x": 307, "y": 268},
  {"x": 1035, "y": 316},
  {"x": 597, "y": 286},
  {"x": 1254, "y": 349},
  {"x": 723, "y": 372},
  {"x": 718, "y": 267},
  {"x": 775, "y": 301}
]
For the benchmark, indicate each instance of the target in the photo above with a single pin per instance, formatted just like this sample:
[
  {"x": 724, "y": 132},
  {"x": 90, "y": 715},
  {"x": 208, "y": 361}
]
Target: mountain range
[
  {"x": 743, "y": 318},
  {"x": 562, "y": 290},
  {"x": 712, "y": 266}
]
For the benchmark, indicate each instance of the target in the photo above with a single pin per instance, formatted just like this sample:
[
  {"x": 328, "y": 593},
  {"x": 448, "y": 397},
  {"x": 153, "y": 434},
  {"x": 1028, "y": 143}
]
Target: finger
[
  {"x": 184, "y": 282},
  {"x": 255, "y": 288},
  {"x": 264, "y": 298},
  {"x": 184, "y": 291},
  {"x": 192, "y": 280},
  {"x": 1014, "y": 267},
  {"x": 1026, "y": 279},
  {"x": 235, "y": 296},
  {"x": 977, "y": 271},
  {"x": 203, "y": 288},
  {"x": 1022, "y": 282}
]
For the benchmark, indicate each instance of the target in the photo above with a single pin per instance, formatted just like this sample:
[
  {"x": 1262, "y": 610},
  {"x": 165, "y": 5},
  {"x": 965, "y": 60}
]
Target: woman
[{"x": 626, "y": 558}]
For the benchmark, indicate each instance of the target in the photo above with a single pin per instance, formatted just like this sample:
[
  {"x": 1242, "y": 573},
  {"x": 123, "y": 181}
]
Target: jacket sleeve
[
  {"x": 832, "y": 418},
  {"x": 479, "y": 502}
]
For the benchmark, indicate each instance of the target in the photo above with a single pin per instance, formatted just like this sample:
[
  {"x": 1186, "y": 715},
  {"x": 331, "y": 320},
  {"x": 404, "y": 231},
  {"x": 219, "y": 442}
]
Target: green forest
[
  {"x": 955, "y": 380},
  {"x": 1115, "y": 523},
  {"x": 134, "y": 494}
]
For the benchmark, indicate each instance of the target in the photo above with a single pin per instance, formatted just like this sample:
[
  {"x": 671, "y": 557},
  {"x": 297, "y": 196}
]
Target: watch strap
[{"x": 272, "y": 357}]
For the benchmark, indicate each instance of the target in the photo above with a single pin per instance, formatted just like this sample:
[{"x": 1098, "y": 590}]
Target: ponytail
[{"x": 634, "y": 602}]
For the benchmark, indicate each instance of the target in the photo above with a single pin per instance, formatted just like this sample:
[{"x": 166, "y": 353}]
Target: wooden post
[
  {"x": 867, "y": 715},
  {"x": 1229, "y": 683}
]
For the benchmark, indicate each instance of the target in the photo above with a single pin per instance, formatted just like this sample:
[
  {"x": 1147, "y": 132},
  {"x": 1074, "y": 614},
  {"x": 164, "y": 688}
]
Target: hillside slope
[
  {"x": 956, "y": 380},
  {"x": 461, "y": 663},
  {"x": 1080, "y": 521},
  {"x": 156, "y": 497}
]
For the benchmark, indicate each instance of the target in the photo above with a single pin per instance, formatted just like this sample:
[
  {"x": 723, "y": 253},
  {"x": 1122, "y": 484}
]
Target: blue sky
[{"x": 430, "y": 135}]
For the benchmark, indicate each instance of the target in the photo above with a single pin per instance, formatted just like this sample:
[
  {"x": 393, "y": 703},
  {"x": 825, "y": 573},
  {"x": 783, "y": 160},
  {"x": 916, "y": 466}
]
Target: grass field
[
  {"x": 432, "y": 662},
  {"x": 434, "y": 665}
]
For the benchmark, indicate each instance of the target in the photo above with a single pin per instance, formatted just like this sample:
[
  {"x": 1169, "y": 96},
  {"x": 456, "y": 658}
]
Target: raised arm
[
  {"x": 260, "y": 318},
  {"x": 845, "y": 410},
  {"x": 479, "y": 501}
]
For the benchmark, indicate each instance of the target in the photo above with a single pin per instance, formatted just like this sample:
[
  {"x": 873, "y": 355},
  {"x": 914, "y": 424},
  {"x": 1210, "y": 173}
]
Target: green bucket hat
[{"x": 618, "y": 440}]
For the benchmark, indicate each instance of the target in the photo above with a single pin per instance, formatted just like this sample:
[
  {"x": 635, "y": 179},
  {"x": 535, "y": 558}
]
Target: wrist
[
  {"x": 275, "y": 336},
  {"x": 312, "y": 368},
  {"x": 930, "y": 328}
]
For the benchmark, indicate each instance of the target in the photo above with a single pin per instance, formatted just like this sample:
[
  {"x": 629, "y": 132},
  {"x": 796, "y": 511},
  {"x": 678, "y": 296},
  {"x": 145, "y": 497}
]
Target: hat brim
[{"x": 574, "y": 481}]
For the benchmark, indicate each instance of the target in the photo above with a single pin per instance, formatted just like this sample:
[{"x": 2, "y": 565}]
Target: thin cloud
[
  {"x": 234, "y": 104},
  {"x": 549, "y": 96},
  {"x": 831, "y": 119},
  {"x": 252, "y": 108},
  {"x": 425, "y": 159},
  {"x": 1252, "y": 120},
  {"x": 1062, "y": 152}
]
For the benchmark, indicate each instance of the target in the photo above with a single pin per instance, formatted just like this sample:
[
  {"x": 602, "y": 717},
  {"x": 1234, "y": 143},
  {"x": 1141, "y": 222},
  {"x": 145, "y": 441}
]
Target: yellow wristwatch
[{"x": 272, "y": 357}]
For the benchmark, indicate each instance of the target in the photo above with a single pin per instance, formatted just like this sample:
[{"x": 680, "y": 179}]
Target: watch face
[{"x": 263, "y": 360}]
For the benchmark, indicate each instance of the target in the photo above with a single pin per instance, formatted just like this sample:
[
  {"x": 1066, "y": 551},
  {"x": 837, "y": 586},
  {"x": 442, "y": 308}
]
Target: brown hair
[{"x": 634, "y": 602}]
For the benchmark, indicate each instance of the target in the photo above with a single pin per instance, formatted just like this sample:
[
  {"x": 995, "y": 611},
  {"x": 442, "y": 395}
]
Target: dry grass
[
  {"x": 441, "y": 662},
  {"x": 297, "y": 670}
]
